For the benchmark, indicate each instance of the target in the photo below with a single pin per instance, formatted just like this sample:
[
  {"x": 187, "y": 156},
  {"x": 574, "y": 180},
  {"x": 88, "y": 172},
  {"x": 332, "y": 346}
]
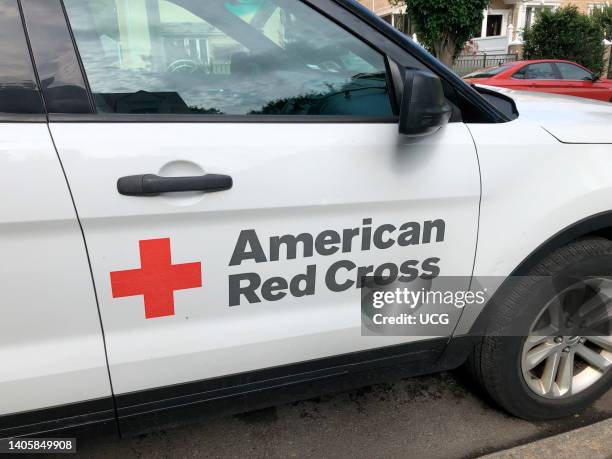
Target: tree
[
  {"x": 603, "y": 17},
  {"x": 444, "y": 26},
  {"x": 565, "y": 34}
]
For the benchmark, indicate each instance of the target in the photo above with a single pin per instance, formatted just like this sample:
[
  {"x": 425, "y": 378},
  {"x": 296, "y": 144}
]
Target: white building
[{"x": 505, "y": 20}]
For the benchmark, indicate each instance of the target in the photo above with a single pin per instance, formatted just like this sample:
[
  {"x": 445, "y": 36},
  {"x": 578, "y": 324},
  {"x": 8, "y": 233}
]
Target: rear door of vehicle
[
  {"x": 52, "y": 361},
  {"x": 302, "y": 115}
]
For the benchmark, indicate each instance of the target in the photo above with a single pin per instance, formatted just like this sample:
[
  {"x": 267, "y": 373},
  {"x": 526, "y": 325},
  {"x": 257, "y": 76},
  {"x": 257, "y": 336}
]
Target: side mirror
[
  {"x": 596, "y": 77},
  {"x": 424, "y": 109}
]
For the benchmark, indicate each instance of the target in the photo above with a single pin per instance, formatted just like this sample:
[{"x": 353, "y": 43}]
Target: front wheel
[{"x": 561, "y": 360}]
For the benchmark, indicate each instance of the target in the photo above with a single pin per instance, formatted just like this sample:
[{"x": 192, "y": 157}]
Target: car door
[
  {"x": 579, "y": 82},
  {"x": 263, "y": 270},
  {"x": 52, "y": 356}
]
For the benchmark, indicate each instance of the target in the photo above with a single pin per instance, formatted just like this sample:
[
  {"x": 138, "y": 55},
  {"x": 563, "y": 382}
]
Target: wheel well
[
  {"x": 606, "y": 233},
  {"x": 598, "y": 225}
]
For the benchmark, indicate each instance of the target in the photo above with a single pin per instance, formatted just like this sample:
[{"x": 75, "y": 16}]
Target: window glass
[
  {"x": 240, "y": 57},
  {"x": 541, "y": 71},
  {"x": 488, "y": 73},
  {"x": 18, "y": 91},
  {"x": 60, "y": 76},
  {"x": 573, "y": 72}
]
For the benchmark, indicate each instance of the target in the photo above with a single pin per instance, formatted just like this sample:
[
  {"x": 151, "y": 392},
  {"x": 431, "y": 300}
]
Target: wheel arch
[{"x": 597, "y": 225}]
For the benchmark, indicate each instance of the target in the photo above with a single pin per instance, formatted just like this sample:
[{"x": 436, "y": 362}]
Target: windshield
[{"x": 488, "y": 72}]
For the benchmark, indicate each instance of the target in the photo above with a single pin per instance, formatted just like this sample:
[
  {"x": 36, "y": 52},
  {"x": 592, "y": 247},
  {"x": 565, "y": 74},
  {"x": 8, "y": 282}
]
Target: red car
[{"x": 556, "y": 76}]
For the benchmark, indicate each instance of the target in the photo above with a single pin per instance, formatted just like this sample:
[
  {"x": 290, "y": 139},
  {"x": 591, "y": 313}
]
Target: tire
[{"x": 498, "y": 363}]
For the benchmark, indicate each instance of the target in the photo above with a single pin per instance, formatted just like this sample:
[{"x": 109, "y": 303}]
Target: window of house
[
  {"x": 223, "y": 57},
  {"x": 541, "y": 71},
  {"x": 494, "y": 25},
  {"x": 388, "y": 18},
  {"x": 532, "y": 12},
  {"x": 573, "y": 72},
  {"x": 595, "y": 6},
  {"x": 403, "y": 23}
]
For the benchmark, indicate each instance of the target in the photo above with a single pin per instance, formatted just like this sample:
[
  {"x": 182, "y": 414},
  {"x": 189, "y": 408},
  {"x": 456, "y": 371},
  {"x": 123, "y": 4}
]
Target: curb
[{"x": 594, "y": 442}]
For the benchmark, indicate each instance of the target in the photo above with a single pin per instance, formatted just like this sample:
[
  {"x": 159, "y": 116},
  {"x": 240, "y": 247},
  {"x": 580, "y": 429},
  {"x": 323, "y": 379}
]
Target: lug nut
[
  {"x": 559, "y": 339},
  {"x": 582, "y": 340},
  {"x": 566, "y": 349}
]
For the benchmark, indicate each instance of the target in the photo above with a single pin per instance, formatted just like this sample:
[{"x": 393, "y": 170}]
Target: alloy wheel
[{"x": 569, "y": 347}]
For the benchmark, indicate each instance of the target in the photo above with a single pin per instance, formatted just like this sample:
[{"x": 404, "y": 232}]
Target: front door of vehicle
[
  {"x": 579, "y": 82},
  {"x": 299, "y": 113}
]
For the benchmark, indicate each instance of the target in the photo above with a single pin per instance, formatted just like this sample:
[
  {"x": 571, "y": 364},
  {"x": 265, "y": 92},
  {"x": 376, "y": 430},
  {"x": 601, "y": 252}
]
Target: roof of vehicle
[
  {"x": 507, "y": 66},
  {"x": 536, "y": 61},
  {"x": 532, "y": 61}
]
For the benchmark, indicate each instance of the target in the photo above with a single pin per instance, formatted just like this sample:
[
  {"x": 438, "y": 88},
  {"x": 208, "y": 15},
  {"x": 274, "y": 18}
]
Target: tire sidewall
[{"x": 533, "y": 295}]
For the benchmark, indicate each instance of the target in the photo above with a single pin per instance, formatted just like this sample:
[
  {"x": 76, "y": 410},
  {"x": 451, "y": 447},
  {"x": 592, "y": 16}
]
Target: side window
[
  {"x": 18, "y": 89},
  {"x": 573, "y": 72},
  {"x": 541, "y": 71},
  {"x": 222, "y": 57}
]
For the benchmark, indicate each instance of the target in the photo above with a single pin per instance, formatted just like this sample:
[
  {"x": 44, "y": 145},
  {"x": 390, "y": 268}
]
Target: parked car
[
  {"x": 554, "y": 76},
  {"x": 192, "y": 239}
]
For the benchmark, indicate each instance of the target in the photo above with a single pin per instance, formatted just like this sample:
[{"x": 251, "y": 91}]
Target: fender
[{"x": 595, "y": 225}]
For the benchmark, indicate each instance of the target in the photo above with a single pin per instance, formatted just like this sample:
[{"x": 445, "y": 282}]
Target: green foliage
[
  {"x": 565, "y": 34},
  {"x": 444, "y": 26},
  {"x": 603, "y": 17}
]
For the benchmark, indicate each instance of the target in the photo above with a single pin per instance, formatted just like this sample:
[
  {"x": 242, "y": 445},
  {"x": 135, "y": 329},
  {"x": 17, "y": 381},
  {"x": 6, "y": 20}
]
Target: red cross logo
[{"x": 157, "y": 278}]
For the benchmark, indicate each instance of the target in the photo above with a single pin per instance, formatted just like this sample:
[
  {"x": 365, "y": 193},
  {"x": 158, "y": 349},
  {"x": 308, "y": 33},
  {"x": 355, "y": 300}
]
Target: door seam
[{"x": 93, "y": 282}]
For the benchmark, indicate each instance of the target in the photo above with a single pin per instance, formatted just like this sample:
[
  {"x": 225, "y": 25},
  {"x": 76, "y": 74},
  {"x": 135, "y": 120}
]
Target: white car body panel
[
  {"x": 569, "y": 119},
  {"x": 51, "y": 345},
  {"x": 288, "y": 179},
  {"x": 534, "y": 186}
]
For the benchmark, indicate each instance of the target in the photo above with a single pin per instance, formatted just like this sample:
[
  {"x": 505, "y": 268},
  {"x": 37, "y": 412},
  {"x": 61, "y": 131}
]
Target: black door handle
[{"x": 151, "y": 185}]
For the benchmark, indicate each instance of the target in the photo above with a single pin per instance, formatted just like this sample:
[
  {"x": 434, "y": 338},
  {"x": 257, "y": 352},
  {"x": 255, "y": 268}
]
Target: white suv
[{"x": 194, "y": 192}]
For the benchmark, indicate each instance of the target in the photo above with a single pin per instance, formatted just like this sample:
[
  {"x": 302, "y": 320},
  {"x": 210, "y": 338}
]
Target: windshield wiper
[{"x": 365, "y": 75}]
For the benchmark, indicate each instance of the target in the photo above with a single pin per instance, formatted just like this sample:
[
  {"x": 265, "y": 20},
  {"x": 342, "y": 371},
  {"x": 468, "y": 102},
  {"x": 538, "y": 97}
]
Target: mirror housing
[{"x": 424, "y": 109}]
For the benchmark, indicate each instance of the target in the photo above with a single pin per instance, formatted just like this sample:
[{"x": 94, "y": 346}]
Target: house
[
  {"x": 503, "y": 22},
  {"x": 384, "y": 10}
]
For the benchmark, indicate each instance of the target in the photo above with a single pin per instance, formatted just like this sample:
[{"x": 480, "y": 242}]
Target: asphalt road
[{"x": 438, "y": 416}]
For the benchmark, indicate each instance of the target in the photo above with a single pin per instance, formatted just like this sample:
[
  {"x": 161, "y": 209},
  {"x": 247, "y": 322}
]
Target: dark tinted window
[
  {"x": 488, "y": 73},
  {"x": 56, "y": 61},
  {"x": 541, "y": 71},
  {"x": 18, "y": 91},
  {"x": 494, "y": 25},
  {"x": 573, "y": 72},
  {"x": 225, "y": 57}
]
